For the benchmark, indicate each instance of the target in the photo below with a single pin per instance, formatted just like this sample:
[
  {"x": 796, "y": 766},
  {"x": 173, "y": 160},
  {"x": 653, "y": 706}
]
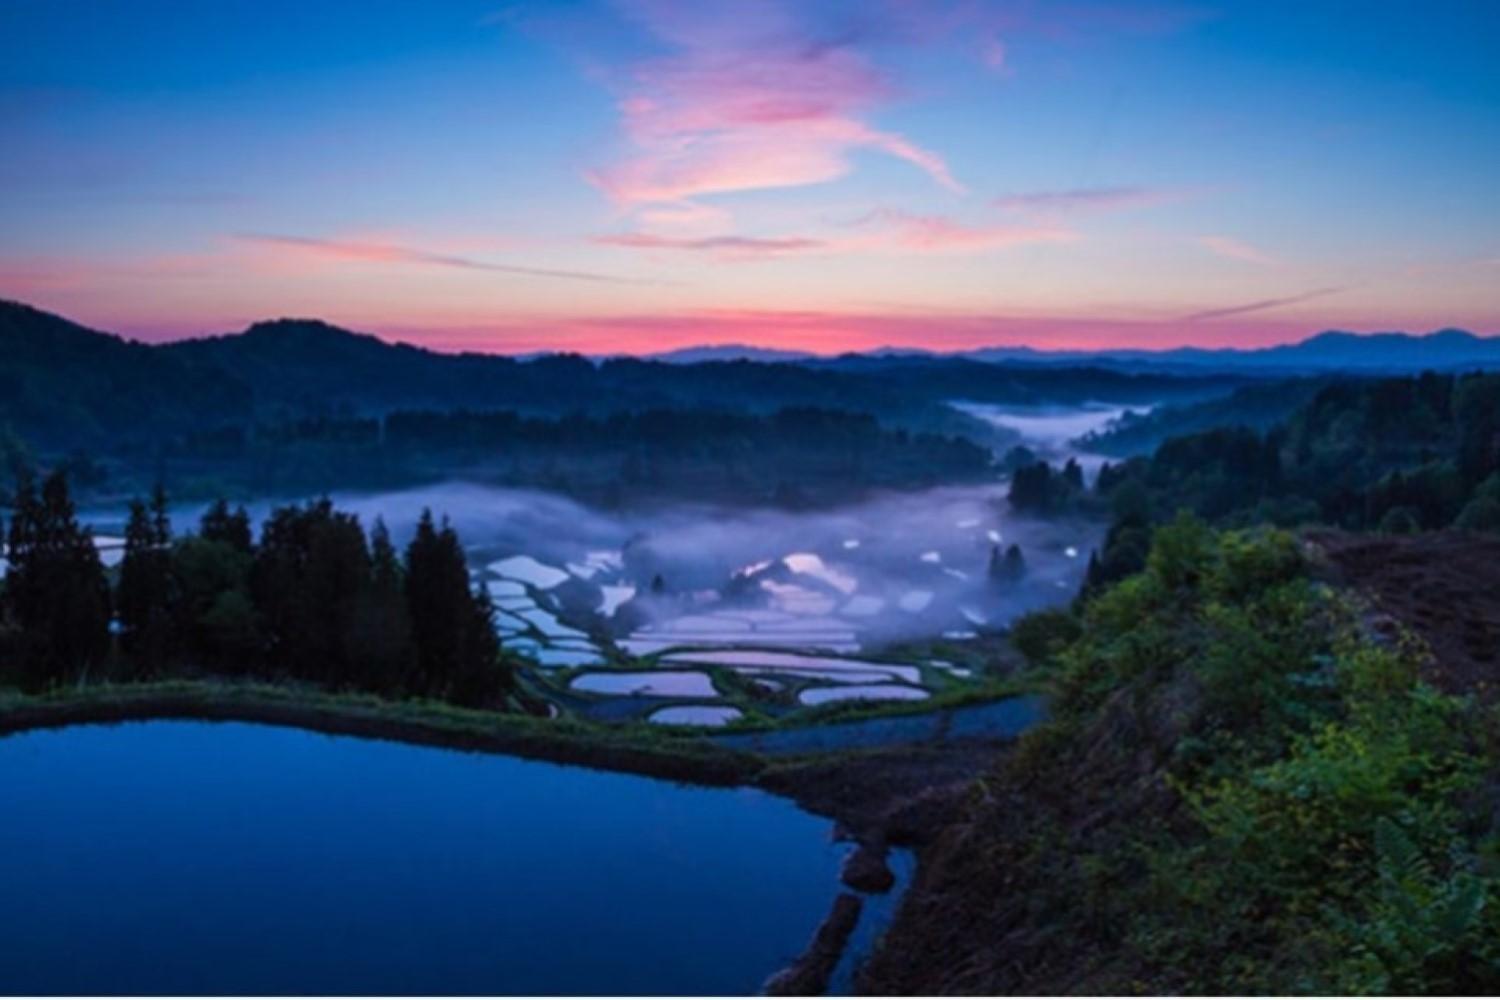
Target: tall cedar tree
[
  {"x": 144, "y": 597},
  {"x": 220, "y": 524},
  {"x": 457, "y": 650},
  {"x": 380, "y": 639},
  {"x": 309, "y": 571},
  {"x": 55, "y": 591},
  {"x": 216, "y": 619}
]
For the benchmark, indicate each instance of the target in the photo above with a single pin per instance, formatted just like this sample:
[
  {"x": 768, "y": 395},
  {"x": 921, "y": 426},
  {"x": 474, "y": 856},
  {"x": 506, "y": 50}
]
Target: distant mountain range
[
  {"x": 1334, "y": 350},
  {"x": 63, "y": 385},
  {"x": 729, "y": 352}
]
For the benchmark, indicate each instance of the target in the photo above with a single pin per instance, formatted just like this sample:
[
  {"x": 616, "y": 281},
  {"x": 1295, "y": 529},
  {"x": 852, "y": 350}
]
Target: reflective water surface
[{"x": 182, "y": 857}]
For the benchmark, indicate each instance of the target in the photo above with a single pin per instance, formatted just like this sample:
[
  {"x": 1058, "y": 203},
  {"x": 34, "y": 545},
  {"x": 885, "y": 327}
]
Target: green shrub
[{"x": 1040, "y": 635}]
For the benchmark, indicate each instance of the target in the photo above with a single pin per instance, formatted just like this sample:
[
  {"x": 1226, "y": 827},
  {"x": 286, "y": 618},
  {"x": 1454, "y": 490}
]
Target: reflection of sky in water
[
  {"x": 223, "y": 858},
  {"x": 695, "y": 715},
  {"x": 665, "y": 683},
  {"x": 861, "y": 692}
]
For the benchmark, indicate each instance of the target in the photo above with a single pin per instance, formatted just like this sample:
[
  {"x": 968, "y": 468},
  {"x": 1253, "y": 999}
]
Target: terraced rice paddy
[
  {"x": 695, "y": 715},
  {"x": 659, "y": 683},
  {"x": 862, "y": 692}
]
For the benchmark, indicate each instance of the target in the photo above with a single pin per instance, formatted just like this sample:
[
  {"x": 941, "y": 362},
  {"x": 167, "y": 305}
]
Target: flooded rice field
[{"x": 793, "y": 601}]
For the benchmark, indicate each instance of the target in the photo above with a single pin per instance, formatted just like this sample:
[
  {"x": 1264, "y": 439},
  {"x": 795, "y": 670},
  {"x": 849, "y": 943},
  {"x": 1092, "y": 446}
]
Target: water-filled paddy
[
  {"x": 178, "y": 857},
  {"x": 770, "y": 662},
  {"x": 661, "y": 683},
  {"x": 695, "y": 715},
  {"x": 576, "y": 586},
  {"x": 861, "y": 692}
]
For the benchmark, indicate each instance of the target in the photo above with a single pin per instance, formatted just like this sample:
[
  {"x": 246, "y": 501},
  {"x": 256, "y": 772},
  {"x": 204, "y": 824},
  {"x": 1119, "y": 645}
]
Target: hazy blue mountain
[
  {"x": 1333, "y": 350},
  {"x": 728, "y": 352}
]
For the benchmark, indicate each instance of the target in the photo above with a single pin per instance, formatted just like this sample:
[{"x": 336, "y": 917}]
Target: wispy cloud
[
  {"x": 1227, "y": 246},
  {"x": 374, "y": 252},
  {"x": 937, "y": 233},
  {"x": 733, "y": 246},
  {"x": 1092, "y": 199},
  {"x": 759, "y": 100},
  {"x": 882, "y": 232},
  {"x": 1261, "y": 305}
]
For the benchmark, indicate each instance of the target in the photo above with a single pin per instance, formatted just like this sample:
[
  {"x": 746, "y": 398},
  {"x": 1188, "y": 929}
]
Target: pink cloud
[
  {"x": 686, "y": 215},
  {"x": 1233, "y": 249},
  {"x": 992, "y": 53},
  {"x": 748, "y": 102}
]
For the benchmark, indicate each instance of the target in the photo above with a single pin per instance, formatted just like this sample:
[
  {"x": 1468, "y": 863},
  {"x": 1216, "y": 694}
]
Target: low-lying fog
[
  {"x": 891, "y": 567},
  {"x": 1050, "y": 431}
]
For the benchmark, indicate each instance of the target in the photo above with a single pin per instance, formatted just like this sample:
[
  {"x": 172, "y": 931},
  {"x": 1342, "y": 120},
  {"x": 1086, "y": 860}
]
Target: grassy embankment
[
  {"x": 635, "y": 749},
  {"x": 1241, "y": 790}
]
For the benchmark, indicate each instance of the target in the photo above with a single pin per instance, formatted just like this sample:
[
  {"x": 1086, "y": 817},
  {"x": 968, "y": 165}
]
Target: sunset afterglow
[{"x": 639, "y": 175}]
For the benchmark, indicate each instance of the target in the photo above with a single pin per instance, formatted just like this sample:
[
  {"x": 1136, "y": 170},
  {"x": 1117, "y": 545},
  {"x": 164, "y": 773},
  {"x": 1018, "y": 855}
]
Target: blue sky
[{"x": 638, "y": 174}]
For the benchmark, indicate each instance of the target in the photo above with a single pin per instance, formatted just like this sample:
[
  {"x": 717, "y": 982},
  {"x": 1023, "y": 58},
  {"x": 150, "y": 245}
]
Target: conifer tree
[
  {"x": 144, "y": 596},
  {"x": 452, "y": 627},
  {"x": 219, "y": 524},
  {"x": 380, "y": 639},
  {"x": 55, "y": 590}
]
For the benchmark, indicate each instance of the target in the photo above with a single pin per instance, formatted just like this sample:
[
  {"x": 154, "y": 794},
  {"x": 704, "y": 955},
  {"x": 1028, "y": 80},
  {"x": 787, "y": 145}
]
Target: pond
[{"x": 186, "y": 857}]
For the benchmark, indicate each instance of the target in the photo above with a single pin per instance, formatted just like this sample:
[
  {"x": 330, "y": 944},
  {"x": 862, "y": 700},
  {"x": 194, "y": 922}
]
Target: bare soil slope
[{"x": 1442, "y": 586}]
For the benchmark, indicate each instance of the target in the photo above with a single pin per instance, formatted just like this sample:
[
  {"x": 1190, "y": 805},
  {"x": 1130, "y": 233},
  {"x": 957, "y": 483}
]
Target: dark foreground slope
[
  {"x": 1443, "y": 586},
  {"x": 1243, "y": 790}
]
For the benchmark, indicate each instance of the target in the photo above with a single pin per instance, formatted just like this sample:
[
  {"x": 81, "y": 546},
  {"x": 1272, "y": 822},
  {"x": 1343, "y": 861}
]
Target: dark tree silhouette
[
  {"x": 220, "y": 524},
  {"x": 145, "y": 596},
  {"x": 457, "y": 653},
  {"x": 55, "y": 591}
]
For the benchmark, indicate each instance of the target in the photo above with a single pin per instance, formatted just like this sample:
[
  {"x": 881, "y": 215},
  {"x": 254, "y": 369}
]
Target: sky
[{"x": 827, "y": 175}]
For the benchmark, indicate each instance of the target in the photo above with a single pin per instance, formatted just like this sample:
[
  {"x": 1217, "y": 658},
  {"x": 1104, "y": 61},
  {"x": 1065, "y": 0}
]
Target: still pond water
[{"x": 185, "y": 857}]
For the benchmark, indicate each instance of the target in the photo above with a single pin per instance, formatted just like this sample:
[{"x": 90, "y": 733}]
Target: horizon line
[{"x": 402, "y": 334}]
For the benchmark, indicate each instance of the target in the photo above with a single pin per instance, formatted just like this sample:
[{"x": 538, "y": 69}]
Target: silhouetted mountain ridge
[
  {"x": 728, "y": 352},
  {"x": 1329, "y": 350},
  {"x": 64, "y": 385}
]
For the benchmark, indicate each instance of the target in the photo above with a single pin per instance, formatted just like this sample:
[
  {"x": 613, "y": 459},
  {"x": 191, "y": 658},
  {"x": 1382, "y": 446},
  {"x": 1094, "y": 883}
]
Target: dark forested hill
[
  {"x": 65, "y": 386},
  {"x": 62, "y": 384},
  {"x": 1257, "y": 406}
]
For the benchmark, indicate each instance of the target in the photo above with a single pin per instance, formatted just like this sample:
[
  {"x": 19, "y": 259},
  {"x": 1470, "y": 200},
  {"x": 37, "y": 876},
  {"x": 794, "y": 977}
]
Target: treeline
[
  {"x": 794, "y": 455},
  {"x": 1036, "y": 488},
  {"x": 1258, "y": 406},
  {"x": 1390, "y": 454},
  {"x": 314, "y": 599},
  {"x": 1395, "y": 455}
]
